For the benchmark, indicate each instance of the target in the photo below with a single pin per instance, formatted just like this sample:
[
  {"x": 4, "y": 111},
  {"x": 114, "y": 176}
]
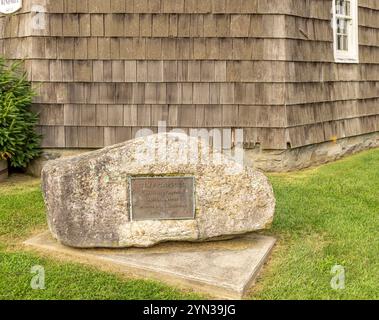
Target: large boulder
[{"x": 88, "y": 197}]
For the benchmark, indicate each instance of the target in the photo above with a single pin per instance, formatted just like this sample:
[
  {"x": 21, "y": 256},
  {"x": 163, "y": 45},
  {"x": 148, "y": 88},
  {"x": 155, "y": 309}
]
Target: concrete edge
[{"x": 170, "y": 278}]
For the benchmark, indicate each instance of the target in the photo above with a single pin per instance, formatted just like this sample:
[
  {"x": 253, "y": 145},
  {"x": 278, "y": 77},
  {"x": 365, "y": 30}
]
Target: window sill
[{"x": 346, "y": 60}]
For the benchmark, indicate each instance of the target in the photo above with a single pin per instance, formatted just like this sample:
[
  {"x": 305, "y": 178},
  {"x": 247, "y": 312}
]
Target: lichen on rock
[{"x": 88, "y": 199}]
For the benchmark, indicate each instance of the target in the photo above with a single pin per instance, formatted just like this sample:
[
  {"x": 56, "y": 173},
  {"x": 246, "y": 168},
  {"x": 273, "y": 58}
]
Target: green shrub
[{"x": 19, "y": 143}]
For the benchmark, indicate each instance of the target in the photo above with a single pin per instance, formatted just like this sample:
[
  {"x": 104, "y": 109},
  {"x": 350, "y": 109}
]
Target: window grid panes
[{"x": 343, "y": 23}]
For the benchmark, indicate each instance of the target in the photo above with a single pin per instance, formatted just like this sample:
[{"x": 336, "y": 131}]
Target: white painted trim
[{"x": 351, "y": 56}]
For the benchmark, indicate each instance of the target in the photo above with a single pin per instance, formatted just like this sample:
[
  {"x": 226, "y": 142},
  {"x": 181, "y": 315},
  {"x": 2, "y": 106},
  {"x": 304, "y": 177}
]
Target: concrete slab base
[{"x": 222, "y": 269}]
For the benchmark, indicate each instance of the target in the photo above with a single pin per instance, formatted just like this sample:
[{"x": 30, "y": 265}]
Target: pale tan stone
[{"x": 87, "y": 196}]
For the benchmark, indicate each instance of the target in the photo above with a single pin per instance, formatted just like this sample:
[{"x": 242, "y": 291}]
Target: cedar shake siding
[
  {"x": 326, "y": 100},
  {"x": 104, "y": 69}
]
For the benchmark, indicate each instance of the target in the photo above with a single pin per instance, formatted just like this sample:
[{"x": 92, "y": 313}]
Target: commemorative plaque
[{"x": 162, "y": 198}]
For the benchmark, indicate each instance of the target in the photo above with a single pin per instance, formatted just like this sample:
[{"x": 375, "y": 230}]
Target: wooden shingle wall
[
  {"x": 106, "y": 68},
  {"x": 324, "y": 100}
]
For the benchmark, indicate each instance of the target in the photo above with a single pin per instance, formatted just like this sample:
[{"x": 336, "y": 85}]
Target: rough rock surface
[{"x": 87, "y": 196}]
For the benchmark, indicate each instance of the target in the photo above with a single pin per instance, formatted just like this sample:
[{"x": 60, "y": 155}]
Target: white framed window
[{"x": 345, "y": 30}]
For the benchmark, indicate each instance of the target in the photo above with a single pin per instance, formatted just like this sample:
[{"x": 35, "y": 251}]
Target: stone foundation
[
  {"x": 3, "y": 170},
  {"x": 36, "y": 166},
  {"x": 309, "y": 156},
  {"x": 265, "y": 160}
]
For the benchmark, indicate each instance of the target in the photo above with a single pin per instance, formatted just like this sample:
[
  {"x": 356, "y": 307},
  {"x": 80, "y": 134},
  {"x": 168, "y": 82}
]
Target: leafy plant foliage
[{"x": 19, "y": 143}]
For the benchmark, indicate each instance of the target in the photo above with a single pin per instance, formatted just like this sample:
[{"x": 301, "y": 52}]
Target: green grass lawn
[{"x": 325, "y": 217}]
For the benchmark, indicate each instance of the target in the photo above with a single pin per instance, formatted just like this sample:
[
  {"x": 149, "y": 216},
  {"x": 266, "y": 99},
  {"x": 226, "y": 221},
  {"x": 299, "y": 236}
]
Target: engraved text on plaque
[{"x": 162, "y": 198}]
